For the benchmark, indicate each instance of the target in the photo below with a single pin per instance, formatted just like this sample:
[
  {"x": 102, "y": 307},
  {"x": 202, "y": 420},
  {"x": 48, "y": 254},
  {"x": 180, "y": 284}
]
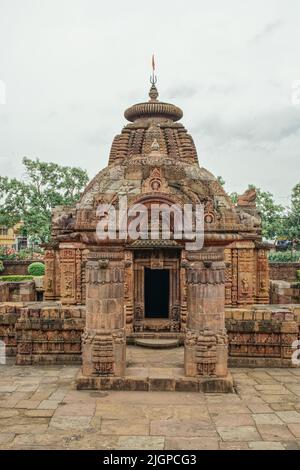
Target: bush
[
  {"x": 284, "y": 256},
  {"x": 1, "y": 266},
  {"x": 16, "y": 278},
  {"x": 298, "y": 275},
  {"x": 9, "y": 253},
  {"x": 36, "y": 269}
]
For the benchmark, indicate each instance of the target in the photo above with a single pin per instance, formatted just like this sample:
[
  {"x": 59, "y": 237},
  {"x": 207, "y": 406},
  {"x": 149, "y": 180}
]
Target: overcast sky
[{"x": 71, "y": 67}]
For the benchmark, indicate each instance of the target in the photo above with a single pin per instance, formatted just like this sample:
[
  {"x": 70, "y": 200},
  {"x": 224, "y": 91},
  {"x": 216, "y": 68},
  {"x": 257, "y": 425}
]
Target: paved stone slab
[
  {"x": 173, "y": 427},
  {"x": 295, "y": 430},
  {"x": 263, "y": 445},
  {"x": 6, "y": 437},
  {"x": 259, "y": 408},
  {"x": 125, "y": 427},
  {"x": 28, "y": 404},
  {"x": 39, "y": 413},
  {"x": 76, "y": 409},
  {"x": 191, "y": 443},
  {"x": 140, "y": 443},
  {"x": 48, "y": 405},
  {"x": 232, "y": 445},
  {"x": 8, "y": 413},
  {"x": 289, "y": 416},
  {"x": 238, "y": 433},
  {"x": 274, "y": 432},
  {"x": 47, "y": 415},
  {"x": 233, "y": 419},
  {"x": 266, "y": 418},
  {"x": 70, "y": 422}
]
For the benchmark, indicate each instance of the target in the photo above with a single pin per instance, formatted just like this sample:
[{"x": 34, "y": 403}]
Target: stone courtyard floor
[{"x": 40, "y": 409}]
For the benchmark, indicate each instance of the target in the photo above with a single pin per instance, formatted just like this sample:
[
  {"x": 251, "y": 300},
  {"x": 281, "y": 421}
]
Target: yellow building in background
[{"x": 9, "y": 236}]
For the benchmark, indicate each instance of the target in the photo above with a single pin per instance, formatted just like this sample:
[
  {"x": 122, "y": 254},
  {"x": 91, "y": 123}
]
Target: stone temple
[{"x": 146, "y": 288}]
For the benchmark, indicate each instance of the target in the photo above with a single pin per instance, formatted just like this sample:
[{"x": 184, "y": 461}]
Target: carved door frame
[{"x": 156, "y": 259}]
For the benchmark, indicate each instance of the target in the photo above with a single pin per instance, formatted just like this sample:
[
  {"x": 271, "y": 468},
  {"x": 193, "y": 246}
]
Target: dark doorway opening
[{"x": 156, "y": 291}]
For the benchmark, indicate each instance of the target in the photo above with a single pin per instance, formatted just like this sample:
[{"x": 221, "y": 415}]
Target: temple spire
[{"x": 153, "y": 94}]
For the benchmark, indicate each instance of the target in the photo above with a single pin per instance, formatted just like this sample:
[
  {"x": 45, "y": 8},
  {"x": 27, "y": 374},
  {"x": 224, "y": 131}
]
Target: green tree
[
  {"x": 273, "y": 215},
  {"x": 44, "y": 186},
  {"x": 221, "y": 180},
  {"x": 234, "y": 197},
  {"x": 293, "y": 216}
]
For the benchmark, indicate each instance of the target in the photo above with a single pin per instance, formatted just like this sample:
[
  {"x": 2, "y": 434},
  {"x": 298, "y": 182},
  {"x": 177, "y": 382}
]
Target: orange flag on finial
[{"x": 153, "y": 63}]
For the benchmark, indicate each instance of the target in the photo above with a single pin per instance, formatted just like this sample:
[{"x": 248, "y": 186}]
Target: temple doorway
[{"x": 156, "y": 293}]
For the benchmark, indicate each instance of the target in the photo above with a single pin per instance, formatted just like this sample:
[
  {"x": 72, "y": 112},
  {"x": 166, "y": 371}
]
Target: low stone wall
[
  {"x": 16, "y": 267},
  {"x": 284, "y": 271},
  {"x": 282, "y": 292},
  {"x": 49, "y": 333},
  {"x": 23, "y": 291},
  {"x": 8, "y": 317},
  {"x": 262, "y": 337}
]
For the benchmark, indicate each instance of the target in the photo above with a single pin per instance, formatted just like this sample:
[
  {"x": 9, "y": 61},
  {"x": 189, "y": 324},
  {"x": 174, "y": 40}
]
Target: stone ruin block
[{"x": 49, "y": 336}]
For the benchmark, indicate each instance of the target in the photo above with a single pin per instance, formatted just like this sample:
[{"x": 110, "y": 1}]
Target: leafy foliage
[
  {"x": 27, "y": 254},
  {"x": 36, "y": 269},
  {"x": 234, "y": 197},
  {"x": 284, "y": 256},
  {"x": 272, "y": 214},
  {"x": 1, "y": 266},
  {"x": 221, "y": 180},
  {"x": 44, "y": 186},
  {"x": 293, "y": 217}
]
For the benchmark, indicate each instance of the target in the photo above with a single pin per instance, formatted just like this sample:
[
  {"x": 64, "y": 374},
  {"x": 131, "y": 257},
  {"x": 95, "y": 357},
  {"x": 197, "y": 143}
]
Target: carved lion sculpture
[
  {"x": 63, "y": 221},
  {"x": 248, "y": 198},
  {"x": 252, "y": 220}
]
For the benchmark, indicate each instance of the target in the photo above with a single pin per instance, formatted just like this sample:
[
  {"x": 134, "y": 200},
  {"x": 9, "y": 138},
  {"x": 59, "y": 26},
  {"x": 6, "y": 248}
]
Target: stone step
[{"x": 157, "y": 343}]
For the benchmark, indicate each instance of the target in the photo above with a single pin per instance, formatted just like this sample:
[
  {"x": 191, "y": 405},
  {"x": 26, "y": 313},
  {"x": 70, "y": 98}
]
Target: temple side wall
[
  {"x": 42, "y": 334},
  {"x": 51, "y": 334},
  {"x": 284, "y": 271},
  {"x": 17, "y": 291},
  {"x": 246, "y": 274},
  {"x": 16, "y": 267},
  {"x": 282, "y": 292}
]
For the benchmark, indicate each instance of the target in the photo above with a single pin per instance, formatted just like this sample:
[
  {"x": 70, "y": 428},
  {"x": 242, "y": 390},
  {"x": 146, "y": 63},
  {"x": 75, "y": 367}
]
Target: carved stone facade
[
  {"x": 260, "y": 336},
  {"x": 49, "y": 334},
  {"x": 152, "y": 162},
  {"x": 247, "y": 274}
]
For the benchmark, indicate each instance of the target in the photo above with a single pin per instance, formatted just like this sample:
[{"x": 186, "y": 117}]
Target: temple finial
[{"x": 153, "y": 94}]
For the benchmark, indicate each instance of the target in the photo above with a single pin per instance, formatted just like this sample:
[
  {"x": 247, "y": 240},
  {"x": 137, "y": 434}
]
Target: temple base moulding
[{"x": 157, "y": 384}]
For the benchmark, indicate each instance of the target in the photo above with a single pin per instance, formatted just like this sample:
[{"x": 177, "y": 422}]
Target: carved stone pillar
[
  {"x": 262, "y": 274},
  {"x": 205, "y": 337},
  {"x": 246, "y": 273},
  {"x": 71, "y": 270},
  {"x": 128, "y": 291},
  {"x": 104, "y": 338},
  {"x": 228, "y": 277},
  {"x": 52, "y": 276}
]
